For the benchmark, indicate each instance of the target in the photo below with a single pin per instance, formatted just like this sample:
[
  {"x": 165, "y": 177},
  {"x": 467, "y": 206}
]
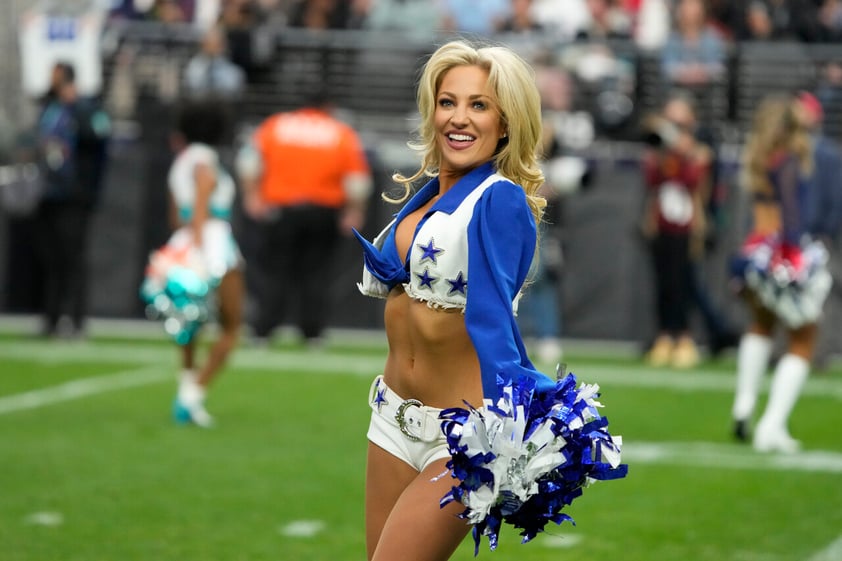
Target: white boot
[
  {"x": 752, "y": 359},
  {"x": 772, "y": 434},
  {"x": 190, "y": 402}
]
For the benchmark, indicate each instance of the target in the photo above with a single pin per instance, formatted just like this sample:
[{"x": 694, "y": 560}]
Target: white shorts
[
  {"x": 219, "y": 250},
  {"x": 405, "y": 428}
]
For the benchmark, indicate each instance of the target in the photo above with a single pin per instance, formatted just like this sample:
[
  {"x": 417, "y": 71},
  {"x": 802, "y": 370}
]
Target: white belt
[{"x": 416, "y": 421}]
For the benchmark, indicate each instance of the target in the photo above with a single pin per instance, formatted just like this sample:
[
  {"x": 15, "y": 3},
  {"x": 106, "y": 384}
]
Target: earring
[{"x": 504, "y": 135}]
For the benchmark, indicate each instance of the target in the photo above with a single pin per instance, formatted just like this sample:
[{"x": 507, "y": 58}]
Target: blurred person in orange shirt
[{"x": 306, "y": 181}]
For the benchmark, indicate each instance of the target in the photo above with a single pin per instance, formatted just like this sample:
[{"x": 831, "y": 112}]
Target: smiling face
[{"x": 467, "y": 121}]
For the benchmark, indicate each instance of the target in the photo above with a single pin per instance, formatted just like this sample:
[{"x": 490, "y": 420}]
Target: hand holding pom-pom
[
  {"x": 176, "y": 288},
  {"x": 522, "y": 459}
]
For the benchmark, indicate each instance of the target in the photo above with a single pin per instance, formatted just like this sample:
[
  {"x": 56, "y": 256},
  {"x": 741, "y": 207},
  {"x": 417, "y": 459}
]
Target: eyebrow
[{"x": 473, "y": 96}]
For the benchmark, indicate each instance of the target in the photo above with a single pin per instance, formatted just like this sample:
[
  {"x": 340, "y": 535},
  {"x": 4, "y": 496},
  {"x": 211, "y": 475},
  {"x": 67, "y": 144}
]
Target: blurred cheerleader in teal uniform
[{"x": 198, "y": 273}]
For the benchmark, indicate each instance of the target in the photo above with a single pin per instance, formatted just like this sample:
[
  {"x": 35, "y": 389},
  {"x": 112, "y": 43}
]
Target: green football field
[{"x": 93, "y": 469}]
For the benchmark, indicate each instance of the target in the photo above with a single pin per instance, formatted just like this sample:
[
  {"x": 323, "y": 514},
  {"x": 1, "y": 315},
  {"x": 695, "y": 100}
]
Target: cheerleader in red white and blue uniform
[{"x": 781, "y": 272}]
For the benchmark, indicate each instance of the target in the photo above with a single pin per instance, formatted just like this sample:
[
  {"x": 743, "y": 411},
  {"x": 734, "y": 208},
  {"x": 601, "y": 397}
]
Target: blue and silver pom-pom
[
  {"x": 524, "y": 458},
  {"x": 177, "y": 290}
]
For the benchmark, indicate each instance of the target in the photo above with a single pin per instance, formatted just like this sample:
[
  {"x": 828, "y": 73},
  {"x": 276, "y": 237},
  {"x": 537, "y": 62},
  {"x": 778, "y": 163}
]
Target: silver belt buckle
[{"x": 404, "y": 424}]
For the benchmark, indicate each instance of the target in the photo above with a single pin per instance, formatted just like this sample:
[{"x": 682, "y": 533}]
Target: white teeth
[{"x": 464, "y": 137}]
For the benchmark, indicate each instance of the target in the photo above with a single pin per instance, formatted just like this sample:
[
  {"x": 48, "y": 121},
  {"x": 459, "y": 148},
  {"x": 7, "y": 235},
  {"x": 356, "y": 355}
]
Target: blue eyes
[{"x": 478, "y": 105}]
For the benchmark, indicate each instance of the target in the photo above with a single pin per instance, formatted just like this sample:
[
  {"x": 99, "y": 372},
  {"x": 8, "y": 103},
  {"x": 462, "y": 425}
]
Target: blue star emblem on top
[
  {"x": 426, "y": 279},
  {"x": 459, "y": 284},
  {"x": 430, "y": 251}
]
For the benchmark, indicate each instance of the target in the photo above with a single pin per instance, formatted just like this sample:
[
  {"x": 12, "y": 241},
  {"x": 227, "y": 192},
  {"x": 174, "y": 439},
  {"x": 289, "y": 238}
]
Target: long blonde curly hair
[
  {"x": 512, "y": 82},
  {"x": 775, "y": 128}
]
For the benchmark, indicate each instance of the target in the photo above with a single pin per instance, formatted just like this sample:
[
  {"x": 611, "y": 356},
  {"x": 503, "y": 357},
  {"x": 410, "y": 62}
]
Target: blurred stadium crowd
[
  {"x": 632, "y": 50},
  {"x": 602, "y": 66},
  {"x": 646, "y": 21}
]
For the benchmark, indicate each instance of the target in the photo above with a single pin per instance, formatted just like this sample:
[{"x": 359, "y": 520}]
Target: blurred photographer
[{"x": 677, "y": 174}]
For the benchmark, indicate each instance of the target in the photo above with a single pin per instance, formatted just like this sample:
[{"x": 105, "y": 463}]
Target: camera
[{"x": 660, "y": 133}]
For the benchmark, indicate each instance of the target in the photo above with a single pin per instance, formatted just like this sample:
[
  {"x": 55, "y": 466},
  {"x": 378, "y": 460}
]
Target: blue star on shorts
[
  {"x": 430, "y": 251},
  {"x": 380, "y": 398}
]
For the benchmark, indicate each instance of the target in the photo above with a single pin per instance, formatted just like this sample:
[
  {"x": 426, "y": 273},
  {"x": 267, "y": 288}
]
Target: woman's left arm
[{"x": 502, "y": 242}]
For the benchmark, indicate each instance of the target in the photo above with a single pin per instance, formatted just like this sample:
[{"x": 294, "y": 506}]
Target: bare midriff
[
  {"x": 767, "y": 218},
  {"x": 431, "y": 357}
]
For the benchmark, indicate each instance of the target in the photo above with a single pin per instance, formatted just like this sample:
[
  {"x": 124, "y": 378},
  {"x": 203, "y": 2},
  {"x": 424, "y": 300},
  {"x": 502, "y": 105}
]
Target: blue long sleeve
[{"x": 502, "y": 238}]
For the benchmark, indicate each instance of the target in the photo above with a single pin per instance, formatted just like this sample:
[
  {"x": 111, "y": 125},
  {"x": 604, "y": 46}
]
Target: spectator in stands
[
  {"x": 562, "y": 24},
  {"x": 830, "y": 21},
  {"x": 419, "y": 18},
  {"x": 202, "y": 193},
  {"x": 240, "y": 14},
  {"x": 209, "y": 72},
  {"x": 829, "y": 93},
  {"x": 73, "y": 132},
  {"x": 124, "y": 10},
  {"x": 478, "y": 18},
  {"x": 652, "y": 24},
  {"x": 521, "y": 20},
  {"x": 694, "y": 55},
  {"x": 605, "y": 75},
  {"x": 169, "y": 11},
  {"x": 776, "y": 20},
  {"x": 780, "y": 272},
  {"x": 358, "y": 13},
  {"x": 238, "y": 19},
  {"x": 608, "y": 20},
  {"x": 723, "y": 16},
  {"x": 306, "y": 181},
  {"x": 319, "y": 14},
  {"x": 676, "y": 169},
  {"x": 758, "y": 25}
]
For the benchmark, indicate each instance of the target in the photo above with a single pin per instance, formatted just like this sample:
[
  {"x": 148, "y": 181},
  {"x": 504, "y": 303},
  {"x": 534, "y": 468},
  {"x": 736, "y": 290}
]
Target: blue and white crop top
[
  {"x": 183, "y": 186},
  {"x": 471, "y": 250}
]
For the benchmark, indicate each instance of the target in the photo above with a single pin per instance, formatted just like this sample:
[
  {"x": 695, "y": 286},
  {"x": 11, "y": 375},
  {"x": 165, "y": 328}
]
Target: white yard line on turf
[
  {"x": 697, "y": 380},
  {"x": 302, "y": 528},
  {"x": 707, "y": 454},
  {"x": 145, "y": 354},
  {"x": 729, "y": 456},
  {"x": 280, "y": 361},
  {"x": 76, "y": 389},
  {"x": 832, "y": 552}
]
